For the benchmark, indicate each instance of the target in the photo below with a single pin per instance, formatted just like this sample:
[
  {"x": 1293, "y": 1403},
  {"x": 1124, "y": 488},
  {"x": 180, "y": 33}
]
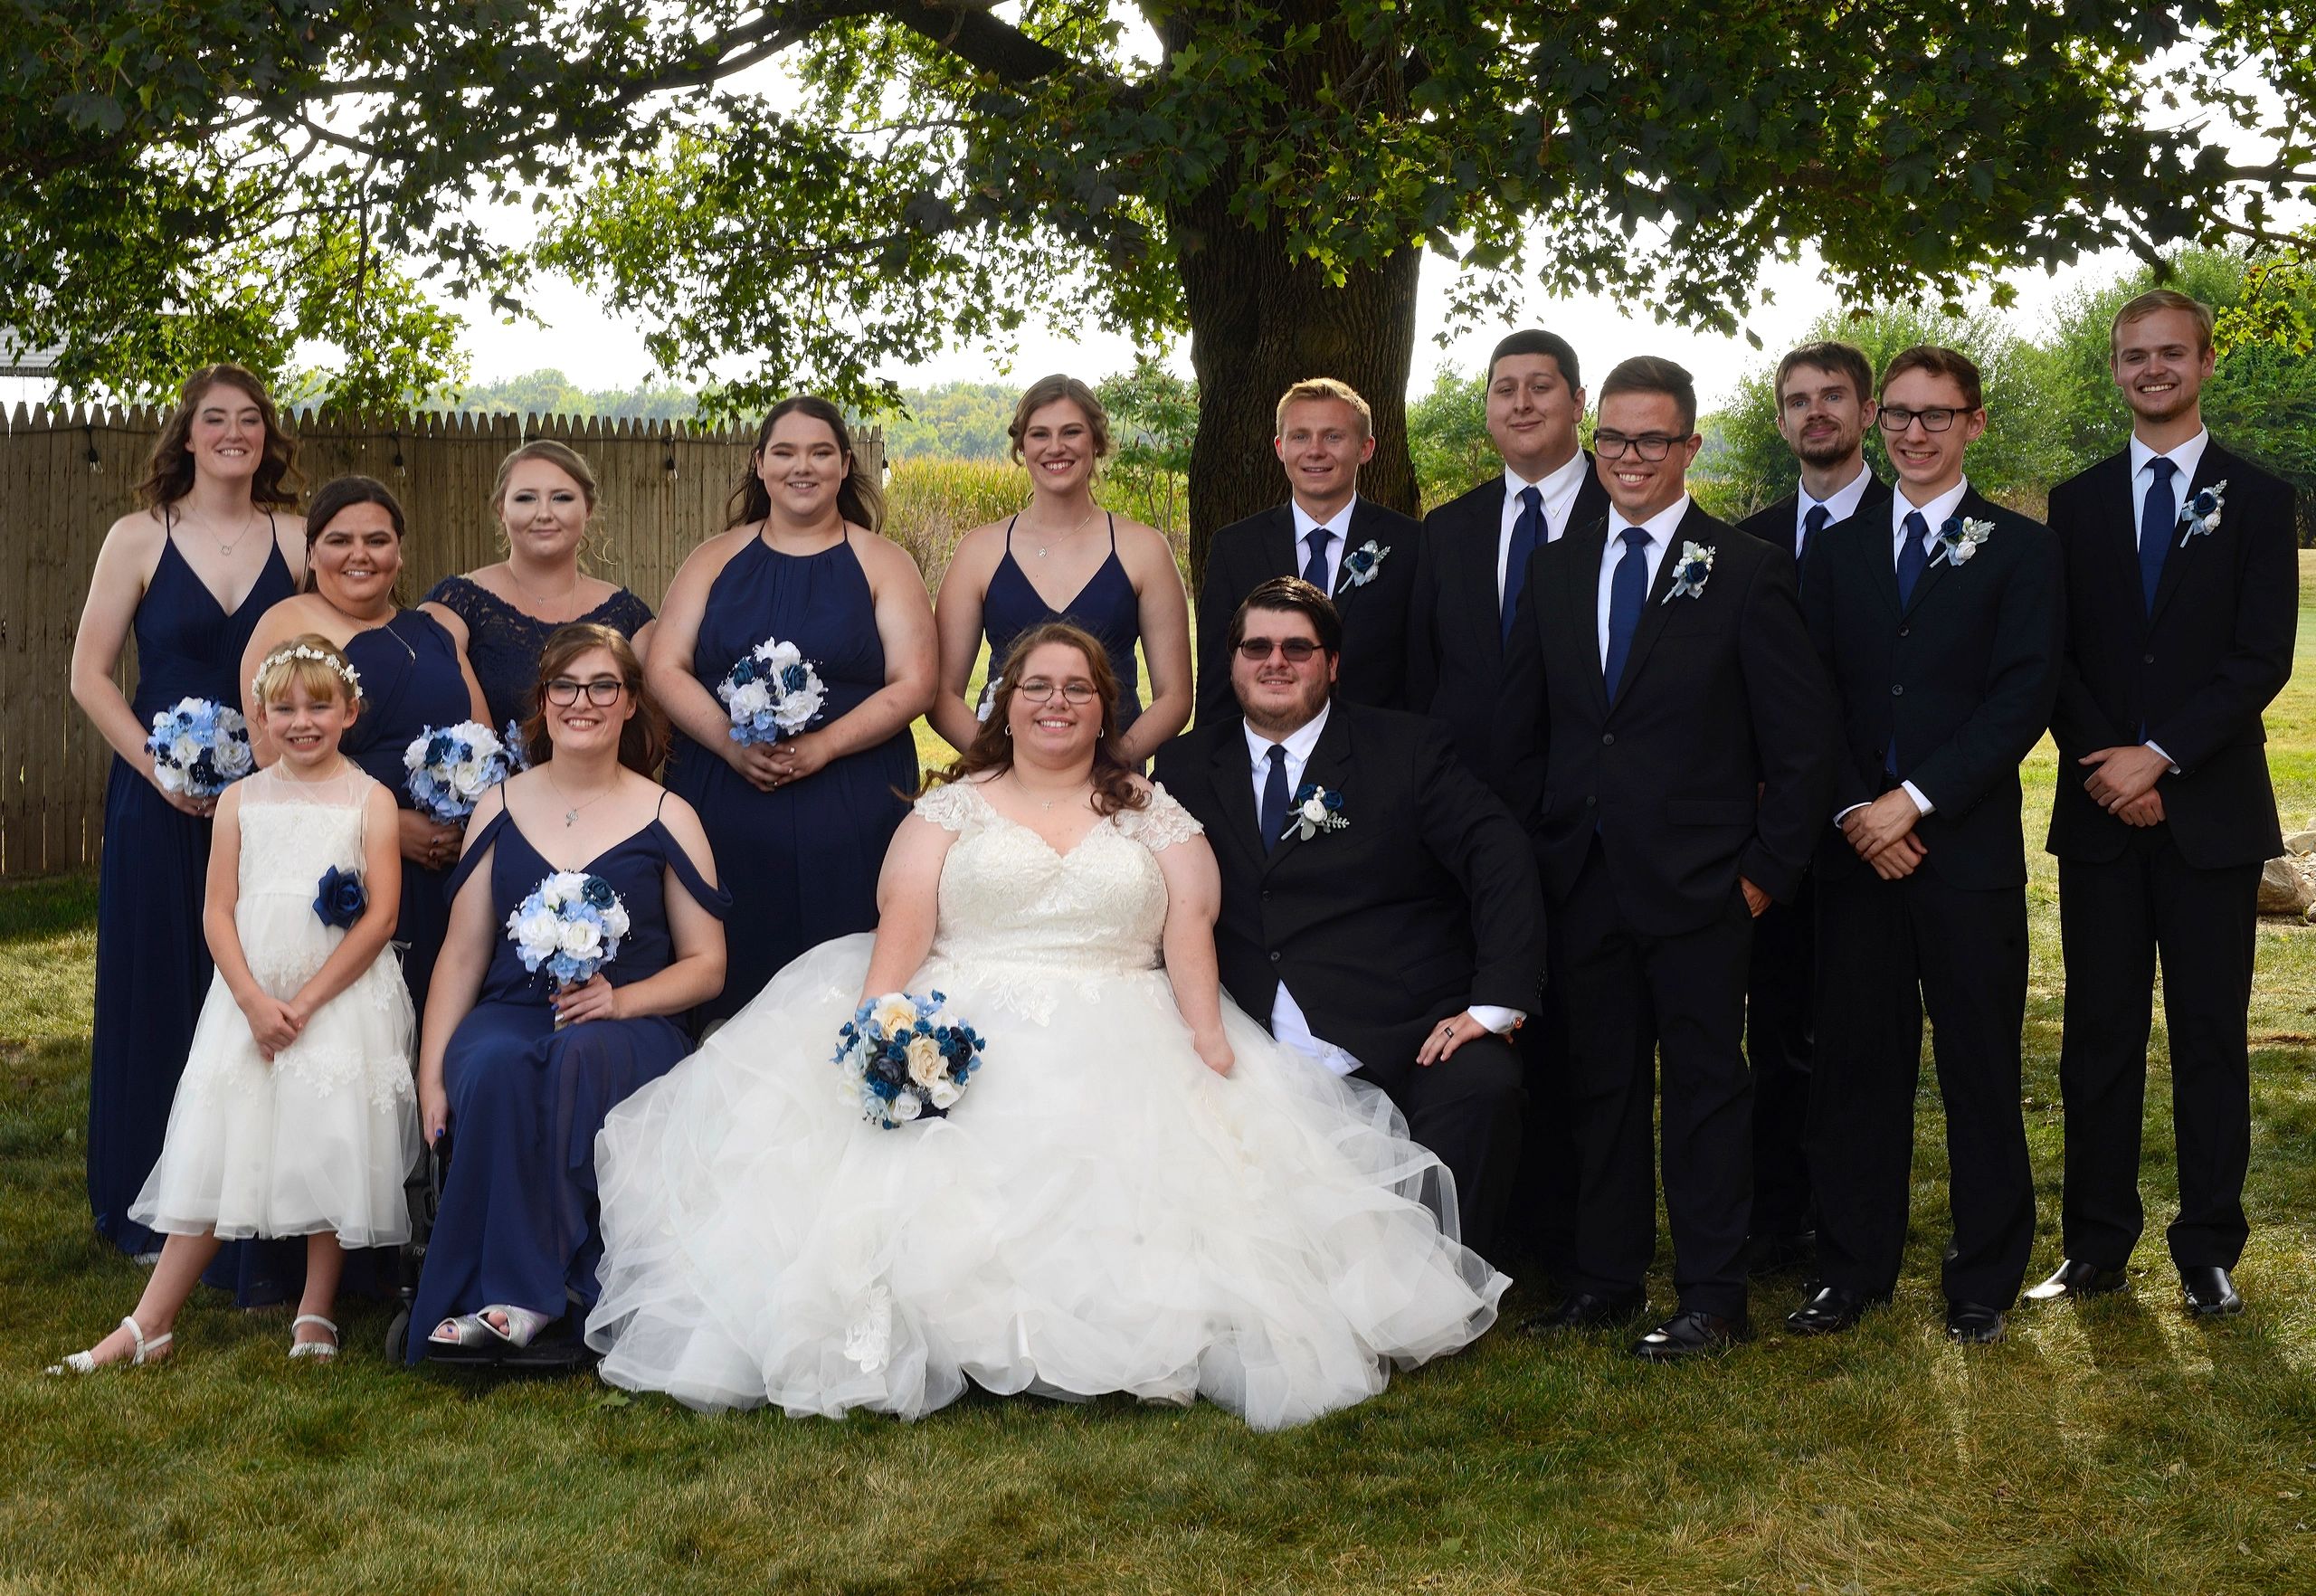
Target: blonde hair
[
  {"x": 1322, "y": 388},
  {"x": 311, "y": 663},
  {"x": 1052, "y": 390},
  {"x": 2142, "y": 306},
  {"x": 561, "y": 456}
]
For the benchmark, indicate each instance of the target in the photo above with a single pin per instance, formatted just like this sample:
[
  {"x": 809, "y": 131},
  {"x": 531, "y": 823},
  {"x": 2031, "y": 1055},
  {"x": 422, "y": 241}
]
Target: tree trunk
[{"x": 1260, "y": 322}]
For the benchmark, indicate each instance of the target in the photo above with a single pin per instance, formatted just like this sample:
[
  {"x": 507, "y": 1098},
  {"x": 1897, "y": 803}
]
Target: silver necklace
[
  {"x": 1045, "y": 803},
  {"x": 570, "y": 815},
  {"x": 1066, "y": 536},
  {"x": 224, "y": 547}
]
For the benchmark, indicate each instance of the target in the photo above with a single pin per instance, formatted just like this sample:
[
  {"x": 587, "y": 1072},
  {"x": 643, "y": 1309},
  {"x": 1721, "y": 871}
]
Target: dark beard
[{"x": 1825, "y": 454}]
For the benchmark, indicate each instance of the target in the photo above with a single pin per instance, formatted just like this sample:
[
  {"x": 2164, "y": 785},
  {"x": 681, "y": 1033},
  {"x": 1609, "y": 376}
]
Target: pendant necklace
[
  {"x": 571, "y": 814},
  {"x": 224, "y": 547},
  {"x": 1073, "y": 532}
]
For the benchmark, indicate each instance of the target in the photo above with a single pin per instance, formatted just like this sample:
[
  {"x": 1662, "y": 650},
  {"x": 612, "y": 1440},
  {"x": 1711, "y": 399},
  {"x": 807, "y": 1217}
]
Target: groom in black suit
[
  {"x": 1824, "y": 403},
  {"x": 1937, "y": 614},
  {"x": 1674, "y": 734},
  {"x": 2182, "y": 597},
  {"x": 1354, "y": 548},
  {"x": 1380, "y": 907}
]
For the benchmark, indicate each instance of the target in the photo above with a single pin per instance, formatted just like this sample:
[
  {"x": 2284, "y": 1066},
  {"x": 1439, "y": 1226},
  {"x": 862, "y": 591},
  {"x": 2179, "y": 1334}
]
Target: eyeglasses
[
  {"x": 1897, "y": 418},
  {"x": 602, "y": 692},
  {"x": 1037, "y": 690},
  {"x": 1297, "y": 649},
  {"x": 1650, "y": 446}
]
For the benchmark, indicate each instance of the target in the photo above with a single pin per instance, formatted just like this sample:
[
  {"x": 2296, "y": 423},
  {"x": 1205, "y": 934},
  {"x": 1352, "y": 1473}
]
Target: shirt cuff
[
  {"x": 2158, "y": 747},
  {"x": 1842, "y": 815},
  {"x": 1500, "y": 1021},
  {"x": 1914, "y": 792}
]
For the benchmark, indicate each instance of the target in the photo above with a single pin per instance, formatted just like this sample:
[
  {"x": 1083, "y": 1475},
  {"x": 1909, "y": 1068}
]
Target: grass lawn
[{"x": 2118, "y": 1447}]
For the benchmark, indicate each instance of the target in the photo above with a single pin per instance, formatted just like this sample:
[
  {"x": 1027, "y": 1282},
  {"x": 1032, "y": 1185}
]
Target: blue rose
[
  {"x": 598, "y": 894},
  {"x": 340, "y": 900}
]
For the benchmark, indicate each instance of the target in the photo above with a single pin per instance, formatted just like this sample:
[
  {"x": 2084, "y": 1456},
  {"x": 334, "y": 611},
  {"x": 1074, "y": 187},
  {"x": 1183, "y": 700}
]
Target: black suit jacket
[
  {"x": 1716, "y": 760},
  {"x": 2195, "y": 675},
  {"x": 1775, "y": 524},
  {"x": 1455, "y": 628},
  {"x": 1424, "y": 904},
  {"x": 1962, "y": 675},
  {"x": 1247, "y": 554}
]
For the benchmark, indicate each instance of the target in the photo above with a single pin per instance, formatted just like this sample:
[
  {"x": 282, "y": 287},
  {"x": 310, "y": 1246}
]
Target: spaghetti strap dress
[
  {"x": 800, "y": 861},
  {"x": 516, "y": 1222},
  {"x": 504, "y": 644},
  {"x": 153, "y": 963},
  {"x": 1106, "y": 606}
]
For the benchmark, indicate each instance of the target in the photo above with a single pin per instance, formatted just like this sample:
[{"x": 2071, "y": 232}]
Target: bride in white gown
[{"x": 1139, "y": 1192}]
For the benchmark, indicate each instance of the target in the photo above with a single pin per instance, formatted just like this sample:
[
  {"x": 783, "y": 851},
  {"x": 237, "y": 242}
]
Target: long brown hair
[
  {"x": 1114, "y": 787},
  {"x": 860, "y": 499},
  {"x": 643, "y": 741},
  {"x": 168, "y": 470}
]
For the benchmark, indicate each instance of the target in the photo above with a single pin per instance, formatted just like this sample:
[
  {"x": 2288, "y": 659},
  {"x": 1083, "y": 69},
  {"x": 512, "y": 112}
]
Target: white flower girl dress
[
  {"x": 1100, "y": 1213},
  {"x": 321, "y": 1138}
]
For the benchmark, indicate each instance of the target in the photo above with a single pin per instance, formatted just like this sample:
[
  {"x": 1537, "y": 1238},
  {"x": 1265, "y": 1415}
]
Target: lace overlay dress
[
  {"x": 321, "y": 1138},
  {"x": 1101, "y": 1213}
]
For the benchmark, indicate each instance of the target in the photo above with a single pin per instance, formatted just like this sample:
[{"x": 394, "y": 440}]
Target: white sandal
[
  {"x": 523, "y": 1325},
  {"x": 312, "y": 1349},
  {"x": 146, "y": 1351}
]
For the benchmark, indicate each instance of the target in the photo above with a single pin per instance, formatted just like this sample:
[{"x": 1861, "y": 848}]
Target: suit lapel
[
  {"x": 1881, "y": 562},
  {"x": 1233, "y": 778},
  {"x": 1354, "y": 535},
  {"x": 2212, "y": 468},
  {"x": 1579, "y": 621},
  {"x": 1477, "y": 540},
  {"x": 2119, "y": 549},
  {"x": 1656, "y": 613},
  {"x": 1327, "y": 766},
  {"x": 1278, "y": 543}
]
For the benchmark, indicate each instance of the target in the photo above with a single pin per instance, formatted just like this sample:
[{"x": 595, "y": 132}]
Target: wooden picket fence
[{"x": 66, "y": 476}]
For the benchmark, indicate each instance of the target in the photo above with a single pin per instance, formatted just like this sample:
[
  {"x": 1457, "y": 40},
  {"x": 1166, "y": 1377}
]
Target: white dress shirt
[
  {"x": 1841, "y": 507},
  {"x": 1660, "y": 529},
  {"x": 2186, "y": 457},
  {"x": 1559, "y": 490},
  {"x": 1287, "y": 1020},
  {"x": 1339, "y": 524},
  {"x": 1934, "y": 515}
]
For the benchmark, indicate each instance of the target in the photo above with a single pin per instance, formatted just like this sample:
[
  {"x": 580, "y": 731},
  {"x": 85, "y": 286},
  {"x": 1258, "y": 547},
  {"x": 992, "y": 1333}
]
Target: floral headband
[{"x": 352, "y": 677}]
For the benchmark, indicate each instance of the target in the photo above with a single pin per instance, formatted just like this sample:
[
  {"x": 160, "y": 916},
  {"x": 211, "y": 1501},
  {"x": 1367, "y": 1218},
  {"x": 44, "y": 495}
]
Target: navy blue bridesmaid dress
[
  {"x": 1106, "y": 606},
  {"x": 152, "y": 961},
  {"x": 410, "y": 680},
  {"x": 504, "y": 644},
  {"x": 517, "y": 1223},
  {"x": 800, "y": 861}
]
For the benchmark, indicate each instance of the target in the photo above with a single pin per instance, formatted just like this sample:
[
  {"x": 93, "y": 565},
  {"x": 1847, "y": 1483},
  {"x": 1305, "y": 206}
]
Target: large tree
[{"x": 820, "y": 188}]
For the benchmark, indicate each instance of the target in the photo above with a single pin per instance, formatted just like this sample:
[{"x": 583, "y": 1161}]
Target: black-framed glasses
[
  {"x": 1037, "y": 690},
  {"x": 1897, "y": 418},
  {"x": 602, "y": 692},
  {"x": 1297, "y": 649},
  {"x": 1651, "y": 446}
]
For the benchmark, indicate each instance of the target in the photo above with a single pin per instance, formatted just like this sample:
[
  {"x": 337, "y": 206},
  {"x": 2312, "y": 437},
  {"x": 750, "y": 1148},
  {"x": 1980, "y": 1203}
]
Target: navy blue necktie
[
  {"x": 1274, "y": 815},
  {"x": 1314, "y": 569},
  {"x": 2158, "y": 518},
  {"x": 1811, "y": 525},
  {"x": 1627, "y": 591},
  {"x": 1527, "y": 532},
  {"x": 1914, "y": 556}
]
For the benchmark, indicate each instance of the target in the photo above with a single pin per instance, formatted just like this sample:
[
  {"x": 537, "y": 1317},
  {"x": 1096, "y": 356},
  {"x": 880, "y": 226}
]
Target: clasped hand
[
  {"x": 1882, "y": 833},
  {"x": 2122, "y": 781},
  {"x": 767, "y": 765},
  {"x": 426, "y": 841},
  {"x": 595, "y": 999},
  {"x": 273, "y": 1024}
]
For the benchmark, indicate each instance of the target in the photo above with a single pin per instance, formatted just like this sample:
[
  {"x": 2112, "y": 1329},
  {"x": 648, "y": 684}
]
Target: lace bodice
[
  {"x": 293, "y": 831},
  {"x": 1009, "y": 901}
]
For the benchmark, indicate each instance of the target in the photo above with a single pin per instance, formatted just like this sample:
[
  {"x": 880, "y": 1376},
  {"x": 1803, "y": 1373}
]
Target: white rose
[
  {"x": 232, "y": 758},
  {"x": 906, "y": 1106},
  {"x": 850, "y": 1093},
  {"x": 615, "y": 921},
  {"x": 184, "y": 749},
  {"x": 945, "y": 1094},
  {"x": 1314, "y": 809},
  {"x": 780, "y": 656},
  {"x": 926, "y": 1064},
  {"x": 560, "y": 889},
  {"x": 470, "y": 778},
  {"x": 750, "y": 701},
  {"x": 580, "y": 938},
  {"x": 538, "y": 933},
  {"x": 893, "y": 1013}
]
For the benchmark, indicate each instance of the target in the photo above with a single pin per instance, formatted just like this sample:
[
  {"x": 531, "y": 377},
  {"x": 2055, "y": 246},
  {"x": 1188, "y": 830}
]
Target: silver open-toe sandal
[
  {"x": 463, "y": 1330},
  {"x": 146, "y": 1350},
  {"x": 312, "y": 1349},
  {"x": 523, "y": 1325}
]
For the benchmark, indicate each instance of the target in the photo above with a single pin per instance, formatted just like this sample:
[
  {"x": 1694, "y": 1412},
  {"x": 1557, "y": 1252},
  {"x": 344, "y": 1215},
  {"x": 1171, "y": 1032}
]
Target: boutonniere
[
  {"x": 1317, "y": 809},
  {"x": 1689, "y": 575},
  {"x": 1958, "y": 539},
  {"x": 2200, "y": 514},
  {"x": 1360, "y": 565}
]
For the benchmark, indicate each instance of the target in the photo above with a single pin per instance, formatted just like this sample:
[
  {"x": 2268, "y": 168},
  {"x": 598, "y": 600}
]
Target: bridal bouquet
[
  {"x": 570, "y": 926},
  {"x": 199, "y": 747},
  {"x": 906, "y": 1058},
  {"x": 451, "y": 767},
  {"x": 770, "y": 692}
]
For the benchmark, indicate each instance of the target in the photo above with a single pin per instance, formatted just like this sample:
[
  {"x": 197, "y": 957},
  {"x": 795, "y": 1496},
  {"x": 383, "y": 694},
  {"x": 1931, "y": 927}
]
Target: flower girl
[{"x": 295, "y": 1116}]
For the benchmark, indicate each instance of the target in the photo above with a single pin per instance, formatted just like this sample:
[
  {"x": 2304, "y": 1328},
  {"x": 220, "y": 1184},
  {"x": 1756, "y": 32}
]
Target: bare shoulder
[
  {"x": 715, "y": 552},
  {"x": 682, "y": 821},
  {"x": 135, "y": 539},
  {"x": 883, "y": 559},
  {"x": 980, "y": 549},
  {"x": 1142, "y": 549}
]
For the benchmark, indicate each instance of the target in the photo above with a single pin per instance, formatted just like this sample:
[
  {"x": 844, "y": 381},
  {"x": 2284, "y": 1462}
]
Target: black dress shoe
[
  {"x": 1829, "y": 1310},
  {"x": 1689, "y": 1335},
  {"x": 1780, "y": 1254},
  {"x": 2210, "y": 1292},
  {"x": 1973, "y": 1322},
  {"x": 2073, "y": 1278},
  {"x": 1582, "y": 1310}
]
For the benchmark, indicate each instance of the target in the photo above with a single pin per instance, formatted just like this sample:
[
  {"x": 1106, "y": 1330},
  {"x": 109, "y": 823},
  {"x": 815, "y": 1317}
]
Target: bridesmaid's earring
[{"x": 1008, "y": 731}]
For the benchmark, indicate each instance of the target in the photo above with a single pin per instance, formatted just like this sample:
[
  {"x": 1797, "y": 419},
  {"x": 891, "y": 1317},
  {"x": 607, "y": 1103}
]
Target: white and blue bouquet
[
  {"x": 451, "y": 767},
  {"x": 770, "y": 692},
  {"x": 570, "y": 926},
  {"x": 199, "y": 747},
  {"x": 906, "y": 1058}
]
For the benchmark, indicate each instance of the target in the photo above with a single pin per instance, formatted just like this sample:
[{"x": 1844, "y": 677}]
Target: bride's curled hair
[{"x": 1114, "y": 786}]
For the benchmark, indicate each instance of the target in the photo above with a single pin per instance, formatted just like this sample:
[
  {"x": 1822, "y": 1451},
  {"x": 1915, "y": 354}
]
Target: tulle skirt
[{"x": 1100, "y": 1213}]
